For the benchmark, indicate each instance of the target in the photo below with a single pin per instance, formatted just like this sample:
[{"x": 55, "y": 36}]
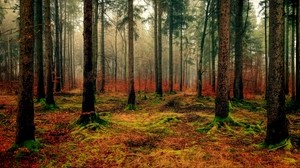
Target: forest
[{"x": 149, "y": 83}]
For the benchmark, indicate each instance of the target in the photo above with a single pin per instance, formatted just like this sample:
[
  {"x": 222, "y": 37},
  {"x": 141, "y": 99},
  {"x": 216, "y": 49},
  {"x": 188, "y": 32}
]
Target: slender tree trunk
[
  {"x": 221, "y": 102},
  {"x": 25, "y": 116},
  {"x": 286, "y": 48},
  {"x": 213, "y": 52},
  {"x": 39, "y": 48},
  {"x": 238, "y": 71},
  {"x": 200, "y": 69},
  {"x": 102, "y": 86},
  {"x": 88, "y": 99},
  {"x": 298, "y": 55},
  {"x": 95, "y": 39},
  {"x": 131, "y": 94},
  {"x": 57, "y": 52},
  {"x": 266, "y": 50},
  {"x": 159, "y": 49},
  {"x": 293, "y": 54},
  {"x": 171, "y": 47},
  {"x": 116, "y": 56},
  {"x": 48, "y": 55},
  {"x": 155, "y": 46},
  {"x": 61, "y": 45},
  {"x": 277, "y": 126},
  {"x": 181, "y": 57}
]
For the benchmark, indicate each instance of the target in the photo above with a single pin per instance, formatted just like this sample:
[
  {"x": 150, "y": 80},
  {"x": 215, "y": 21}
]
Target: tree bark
[
  {"x": 25, "y": 116},
  {"x": 221, "y": 102},
  {"x": 159, "y": 50},
  {"x": 277, "y": 126},
  {"x": 48, "y": 55},
  {"x": 39, "y": 48},
  {"x": 95, "y": 39},
  {"x": 88, "y": 99},
  {"x": 238, "y": 71},
  {"x": 102, "y": 85},
  {"x": 298, "y": 55},
  {"x": 171, "y": 47},
  {"x": 57, "y": 52},
  {"x": 293, "y": 54},
  {"x": 131, "y": 94}
]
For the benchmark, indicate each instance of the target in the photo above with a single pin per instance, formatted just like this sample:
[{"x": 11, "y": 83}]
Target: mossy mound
[{"x": 91, "y": 121}]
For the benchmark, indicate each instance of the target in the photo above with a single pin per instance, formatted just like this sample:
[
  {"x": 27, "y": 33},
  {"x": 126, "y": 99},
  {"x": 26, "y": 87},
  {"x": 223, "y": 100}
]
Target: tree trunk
[
  {"x": 131, "y": 95},
  {"x": 286, "y": 48},
  {"x": 57, "y": 52},
  {"x": 39, "y": 48},
  {"x": 88, "y": 99},
  {"x": 181, "y": 57},
  {"x": 293, "y": 54},
  {"x": 95, "y": 40},
  {"x": 159, "y": 50},
  {"x": 171, "y": 47},
  {"x": 221, "y": 102},
  {"x": 238, "y": 71},
  {"x": 200, "y": 69},
  {"x": 102, "y": 85},
  {"x": 25, "y": 116},
  {"x": 277, "y": 126},
  {"x": 155, "y": 46},
  {"x": 48, "y": 55},
  {"x": 266, "y": 50},
  {"x": 298, "y": 55}
]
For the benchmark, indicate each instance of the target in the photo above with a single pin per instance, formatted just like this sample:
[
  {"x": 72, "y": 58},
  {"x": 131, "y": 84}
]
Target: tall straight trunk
[
  {"x": 200, "y": 68},
  {"x": 221, "y": 102},
  {"x": 39, "y": 48},
  {"x": 213, "y": 52},
  {"x": 102, "y": 85},
  {"x": 61, "y": 45},
  {"x": 116, "y": 55},
  {"x": 298, "y": 54},
  {"x": 25, "y": 116},
  {"x": 155, "y": 46},
  {"x": 293, "y": 54},
  {"x": 266, "y": 50},
  {"x": 277, "y": 126},
  {"x": 159, "y": 50},
  {"x": 286, "y": 49},
  {"x": 48, "y": 55},
  {"x": 95, "y": 39},
  {"x": 65, "y": 44},
  {"x": 57, "y": 52},
  {"x": 181, "y": 57},
  {"x": 88, "y": 97},
  {"x": 171, "y": 47},
  {"x": 74, "y": 60},
  {"x": 131, "y": 94},
  {"x": 238, "y": 71}
]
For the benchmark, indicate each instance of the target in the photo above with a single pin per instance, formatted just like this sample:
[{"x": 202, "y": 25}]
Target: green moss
[
  {"x": 131, "y": 107},
  {"x": 251, "y": 106},
  {"x": 93, "y": 122},
  {"x": 219, "y": 122},
  {"x": 284, "y": 144}
]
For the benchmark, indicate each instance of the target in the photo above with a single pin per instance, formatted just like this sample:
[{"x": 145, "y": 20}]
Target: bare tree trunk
[
  {"x": 171, "y": 47},
  {"x": 293, "y": 55},
  {"x": 25, "y": 116},
  {"x": 221, "y": 102},
  {"x": 159, "y": 50},
  {"x": 57, "y": 52},
  {"x": 277, "y": 126},
  {"x": 48, "y": 54},
  {"x": 102, "y": 85},
  {"x": 95, "y": 39},
  {"x": 131, "y": 94}
]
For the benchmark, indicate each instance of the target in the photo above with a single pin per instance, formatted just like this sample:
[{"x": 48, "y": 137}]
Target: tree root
[
  {"x": 284, "y": 144},
  {"x": 226, "y": 123}
]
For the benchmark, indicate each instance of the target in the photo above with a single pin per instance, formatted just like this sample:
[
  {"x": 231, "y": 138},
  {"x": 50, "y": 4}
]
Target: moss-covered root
[
  {"x": 218, "y": 123},
  {"x": 90, "y": 120},
  {"x": 285, "y": 144}
]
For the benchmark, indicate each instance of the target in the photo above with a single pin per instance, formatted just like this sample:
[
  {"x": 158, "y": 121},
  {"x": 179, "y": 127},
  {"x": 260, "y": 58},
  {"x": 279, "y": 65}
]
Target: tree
[
  {"x": 170, "y": 17},
  {"x": 95, "y": 38},
  {"x": 221, "y": 102},
  {"x": 298, "y": 54},
  {"x": 159, "y": 49},
  {"x": 200, "y": 68},
  {"x": 131, "y": 94},
  {"x": 25, "y": 116},
  {"x": 38, "y": 19},
  {"x": 102, "y": 84},
  {"x": 48, "y": 55},
  {"x": 277, "y": 126},
  {"x": 88, "y": 99},
  {"x": 57, "y": 52},
  {"x": 239, "y": 31}
]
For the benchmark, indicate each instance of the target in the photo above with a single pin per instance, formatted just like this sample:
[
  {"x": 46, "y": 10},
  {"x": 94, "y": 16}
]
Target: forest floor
[{"x": 160, "y": 133}]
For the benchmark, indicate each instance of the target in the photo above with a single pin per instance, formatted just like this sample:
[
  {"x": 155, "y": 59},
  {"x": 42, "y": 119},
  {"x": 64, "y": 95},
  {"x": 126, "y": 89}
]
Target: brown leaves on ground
[{"x": 161, "y": 133}]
